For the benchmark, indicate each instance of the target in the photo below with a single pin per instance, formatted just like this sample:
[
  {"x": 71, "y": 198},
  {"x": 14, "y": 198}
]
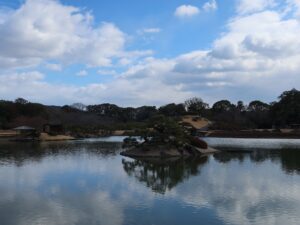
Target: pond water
[{"x": 88, "y": 182}]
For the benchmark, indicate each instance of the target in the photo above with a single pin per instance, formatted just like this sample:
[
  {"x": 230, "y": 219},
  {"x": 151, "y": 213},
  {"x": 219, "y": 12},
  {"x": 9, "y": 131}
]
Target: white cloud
[
  {"x": 32, "y": 86},
  {"x": 250, "y": 6},
  {"x": 82, "y": 73},
  {"x": 294, "y": 7},
  {"x": 186, "y": 11},
  {"x": 107, "y": 72},
  {"x": 152, "y": 30},
  {"x": 42, "y": 30},
  {"x": 53, "y": 66},
  {"x": 210, "y": 6},
  {"x": 122, "y": 91},
  {"x": 258, "y": 55},
  {"x": 124, "y": 61}
]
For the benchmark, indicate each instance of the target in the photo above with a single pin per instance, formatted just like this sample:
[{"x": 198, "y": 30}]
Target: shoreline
[
  {"x": 237, "y": 136},
  {"x": 249, "y": 134}
]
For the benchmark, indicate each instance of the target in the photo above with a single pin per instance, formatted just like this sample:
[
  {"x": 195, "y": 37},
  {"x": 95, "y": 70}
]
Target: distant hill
[
  {"x": 285, "y": 113},
  {"x": 102, "y": 116}
]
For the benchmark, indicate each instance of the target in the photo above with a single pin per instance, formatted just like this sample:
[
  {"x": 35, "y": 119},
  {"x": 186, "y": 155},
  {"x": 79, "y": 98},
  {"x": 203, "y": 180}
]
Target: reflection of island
[
  {"x": 288, "y": 158},
  {"x": 163, "y": 174}
]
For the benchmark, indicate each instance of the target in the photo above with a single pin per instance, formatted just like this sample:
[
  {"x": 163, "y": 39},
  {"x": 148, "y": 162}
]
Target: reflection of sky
[
  {"x": 90, "y": 188},
  {"x": 253, "y": 143},
  {"x": 245, "y": 193}
]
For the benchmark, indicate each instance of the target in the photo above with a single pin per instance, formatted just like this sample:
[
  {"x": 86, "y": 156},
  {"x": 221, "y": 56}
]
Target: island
[{"x": 166, "y": 138}]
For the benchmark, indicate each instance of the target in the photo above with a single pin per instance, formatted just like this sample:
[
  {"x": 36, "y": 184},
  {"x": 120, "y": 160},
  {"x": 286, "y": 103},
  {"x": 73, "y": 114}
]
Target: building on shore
[{"x": 25, "y": 133}]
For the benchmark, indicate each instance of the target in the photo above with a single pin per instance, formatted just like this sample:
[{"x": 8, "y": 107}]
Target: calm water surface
[{"x": 88, "y": 182}]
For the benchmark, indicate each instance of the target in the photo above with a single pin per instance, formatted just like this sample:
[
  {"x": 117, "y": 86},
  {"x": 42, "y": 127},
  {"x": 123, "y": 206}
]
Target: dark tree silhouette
[
  {"x": 172, "y": 110},
  {"x": 196, "y": 106},
  {"x": 21, "y": 101},
  {"x": 287, "y": 110},
  {"x": 258, "y": 106},
  {"x": 163, "y": 175},
  {"x": 222, "y": 106}
]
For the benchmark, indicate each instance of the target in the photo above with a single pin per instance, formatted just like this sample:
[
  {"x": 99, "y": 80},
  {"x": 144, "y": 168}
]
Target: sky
[{"x": 149, "y": 52}]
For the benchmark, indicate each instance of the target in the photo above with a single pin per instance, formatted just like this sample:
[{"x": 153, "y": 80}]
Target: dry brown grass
[
  {"x": 195, "y": 121},
  {"x": 7, "y": 133},
  {"x": 47, "y": 137}
]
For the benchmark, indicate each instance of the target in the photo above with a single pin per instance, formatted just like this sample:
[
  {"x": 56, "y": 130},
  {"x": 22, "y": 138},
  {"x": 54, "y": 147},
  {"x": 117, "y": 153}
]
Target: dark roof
[{"x": 24, "y": 128}]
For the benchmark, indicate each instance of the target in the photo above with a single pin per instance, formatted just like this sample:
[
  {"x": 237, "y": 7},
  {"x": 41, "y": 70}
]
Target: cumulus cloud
[
  {"x": 152, "y": 30},
  {"x": 53, "y": 66},
  {"x": 42, "y": 30},
  {"x": 210, "y": 6},
  {"x": 107, "y": 72},
  {"x": 186, "y": 11},
  {"x": 258, "y": 55},
  {"x": 264, "y": 34},
  {"x": 82, "y": 73},
  {"x": 246, "y": 6},
  {"x": 34, "y": 87},
  {"x": 294, "y": 7},
  {"x": 258, "y": 49}
]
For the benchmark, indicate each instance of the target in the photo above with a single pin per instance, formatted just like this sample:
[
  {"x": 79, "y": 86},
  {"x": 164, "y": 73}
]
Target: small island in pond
[{"x": 166, "y": 138}]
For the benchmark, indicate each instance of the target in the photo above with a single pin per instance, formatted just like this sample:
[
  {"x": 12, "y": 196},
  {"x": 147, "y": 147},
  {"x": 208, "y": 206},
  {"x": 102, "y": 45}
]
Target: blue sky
[{"x": 148, "y": 52}]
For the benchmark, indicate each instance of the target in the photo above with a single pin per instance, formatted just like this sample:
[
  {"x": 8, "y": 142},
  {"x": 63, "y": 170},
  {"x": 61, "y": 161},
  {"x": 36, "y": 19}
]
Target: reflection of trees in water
[
  {"x": 225, "y": 157},
  {"x": 288, "y": 158},
  {"x": 290, "y": 161},
  {"x": 21, "y": 153},
  {"x": 162, "y": 175}
]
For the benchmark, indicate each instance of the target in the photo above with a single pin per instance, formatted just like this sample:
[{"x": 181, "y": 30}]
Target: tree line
[{"x": 285, "y": 112}]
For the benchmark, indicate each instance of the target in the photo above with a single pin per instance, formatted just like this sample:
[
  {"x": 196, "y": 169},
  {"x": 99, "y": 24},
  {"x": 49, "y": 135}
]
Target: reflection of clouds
[
  {"x": 85, "y": 187},
  {"x": 79, "y": 188},
  {"x": 31, "y": 174},
  {"x": 245, "y": 193},
  {"x": 93, "y": 208}
]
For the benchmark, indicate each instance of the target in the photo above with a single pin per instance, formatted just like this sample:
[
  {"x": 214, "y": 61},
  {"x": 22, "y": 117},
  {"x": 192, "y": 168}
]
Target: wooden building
[{"x": 25, "y": 133}]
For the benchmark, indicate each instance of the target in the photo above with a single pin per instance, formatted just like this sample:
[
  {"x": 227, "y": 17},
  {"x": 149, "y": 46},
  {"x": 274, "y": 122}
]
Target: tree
[
  {"x": 195, "y": 105},
  {"x": 222, "y": 106},
  {"x": 145, "y": 112},
  {"x": 258, "y": 106},
  {"x": 259, "y": 114},
  {"x": 21, "y": 101},
  {"x": 172, "y": 110},
  {"x": 105, "y": 109},
  {"x": 127, "y": 114},
  {"x": 226, "y": 116},
  {"x": 287, "y": 110},
  {"x": 79, "y": 106},
  {"x": 3, "y": 114},
  {"x": 240, "y": 106}
]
